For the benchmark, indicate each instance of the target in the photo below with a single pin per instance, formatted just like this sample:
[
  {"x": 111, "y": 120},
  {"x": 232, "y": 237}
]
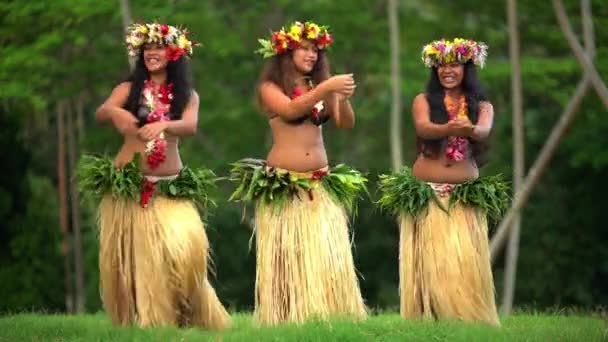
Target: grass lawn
[{"x": 384, "y": 327}]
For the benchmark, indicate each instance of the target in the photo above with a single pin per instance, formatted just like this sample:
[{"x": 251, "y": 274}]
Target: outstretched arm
[{"x": 276, "y": 102}]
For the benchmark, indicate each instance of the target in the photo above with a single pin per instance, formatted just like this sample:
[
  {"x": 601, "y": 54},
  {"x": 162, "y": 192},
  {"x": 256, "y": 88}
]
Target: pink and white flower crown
[{"x": 454, "y": 51}]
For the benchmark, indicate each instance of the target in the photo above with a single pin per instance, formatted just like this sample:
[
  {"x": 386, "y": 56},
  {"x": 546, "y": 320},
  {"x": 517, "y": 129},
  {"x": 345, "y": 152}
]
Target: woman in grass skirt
[
  {"x": 154, "y": 252},
  {"x": 442, "y": 203},
  {"x": 304, "y": 263}
]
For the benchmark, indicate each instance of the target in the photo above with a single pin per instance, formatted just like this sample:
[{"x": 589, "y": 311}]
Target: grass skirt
[
  {"x": 304, "y": 261},
  {"x": 153, "y": 264},
  {"x": 445, "y": 270}
]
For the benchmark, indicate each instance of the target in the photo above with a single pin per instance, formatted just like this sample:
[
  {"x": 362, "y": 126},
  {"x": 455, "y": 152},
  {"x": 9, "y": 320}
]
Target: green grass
[{"x": 386, "y": 327}]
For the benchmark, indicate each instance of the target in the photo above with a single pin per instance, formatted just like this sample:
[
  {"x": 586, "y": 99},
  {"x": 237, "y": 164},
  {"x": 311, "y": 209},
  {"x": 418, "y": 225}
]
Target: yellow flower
[
  {"x": 143, "y": 29},
  {"x": 295, "y": 31},
  {"x": 183, "y": 42},
  {"x": 295, "y": 37},
  {"x": 430, "y": 50},
  {"x": 312, "y": 30}
]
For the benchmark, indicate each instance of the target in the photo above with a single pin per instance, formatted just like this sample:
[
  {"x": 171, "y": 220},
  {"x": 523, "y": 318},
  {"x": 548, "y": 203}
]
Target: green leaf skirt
[
  {"x": 256, "y": 181},
  {"x": 98, "y": 176},
  {"x": 402, "y": 193}
]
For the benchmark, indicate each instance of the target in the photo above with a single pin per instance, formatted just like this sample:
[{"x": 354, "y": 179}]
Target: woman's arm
[
  {"x": 111, "y": 109},
  {"x": 485, "y": 119},
  {"x": 426, "y": 129},
  {"x": 422, "y": 120},
  {"x": 344, "y": 116},
  {"x": 276, "y": 102},
  {"x": 114, "y": 103}
]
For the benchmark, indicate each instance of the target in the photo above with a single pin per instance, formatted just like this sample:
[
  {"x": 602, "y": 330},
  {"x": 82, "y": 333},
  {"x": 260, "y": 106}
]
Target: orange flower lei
[{"x": 457, "y": 147}]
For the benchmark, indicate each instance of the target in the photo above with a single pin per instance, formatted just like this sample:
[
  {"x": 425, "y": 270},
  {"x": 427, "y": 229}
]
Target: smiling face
[
  {"x": 450, "y": 75},
  {"x": 305, "y": 57},
  {"x": 155, "y": 57}
]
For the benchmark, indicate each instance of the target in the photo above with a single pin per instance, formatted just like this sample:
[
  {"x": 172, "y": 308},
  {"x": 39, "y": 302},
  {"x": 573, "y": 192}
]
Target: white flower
[{"x": 150, "y": 146}]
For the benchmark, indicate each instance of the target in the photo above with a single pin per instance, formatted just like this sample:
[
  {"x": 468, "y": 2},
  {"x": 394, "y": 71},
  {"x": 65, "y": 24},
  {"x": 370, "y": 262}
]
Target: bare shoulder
[
  {"x": 268, "y": 86},
  {"x": 194, "y": 96},
  {"x": 486, "y": 106},
  {"x": 420, "y": 97},
  {"x": 420, "y": 102},
  {"x": 119, "y": 95},
  {"x": 123, "y": 88}
]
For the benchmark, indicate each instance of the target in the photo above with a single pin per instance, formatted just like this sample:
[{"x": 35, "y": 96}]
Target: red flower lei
[
  {"x": 457, "y": 147},
  {"x": 159, "y": 104},
  {"x": 317, "y": 107}
]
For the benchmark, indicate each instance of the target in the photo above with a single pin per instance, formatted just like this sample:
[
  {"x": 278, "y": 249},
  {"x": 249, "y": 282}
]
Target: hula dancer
[
  {"x": 304, "y": 265},
  {"x": 154, "y": 252},
  {"x": 442, "y": 203}
]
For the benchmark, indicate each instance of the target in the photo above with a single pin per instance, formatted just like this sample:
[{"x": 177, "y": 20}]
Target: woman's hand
[
  {"x": 341, "y": 84},
  {"x": 152, "y": 130},
  {"x": 460, "y": 127}
]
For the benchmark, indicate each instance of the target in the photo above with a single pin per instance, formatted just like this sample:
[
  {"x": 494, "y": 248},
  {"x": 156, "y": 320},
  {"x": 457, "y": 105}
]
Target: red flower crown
[{"x": 283, "y": 40}]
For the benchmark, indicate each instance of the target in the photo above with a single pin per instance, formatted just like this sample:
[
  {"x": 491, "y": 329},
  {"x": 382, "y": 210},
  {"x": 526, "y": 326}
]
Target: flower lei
[
  {"x": 455, "y": 51},
  {"x": 283, "y": 40},
  {"x": 318, "y": 107},
  {"x": 457, "y": 146},
  {"x": 159, "y": 104},
  {"x": 175, "y": 40}
]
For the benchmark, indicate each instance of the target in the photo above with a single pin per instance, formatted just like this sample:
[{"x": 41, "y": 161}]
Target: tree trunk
[
  {"x": 584, "y": 60},
  {"x": 395, "y": 122},
  {"x": 561, "y": 126},
  {"x": 126, "y": 22},
  {"x": 518, "y": 156},
  {"x": 63, "y": 208},
  {"x": 74, "y": 203},
  {"x": 80, "y": 132}
]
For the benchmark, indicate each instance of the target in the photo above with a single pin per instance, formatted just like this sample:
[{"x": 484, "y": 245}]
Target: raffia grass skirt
[
  {"x": 153, "y": 265},
  {"x": 445, "y": 270},
  {"x": 304, "y": 263}
]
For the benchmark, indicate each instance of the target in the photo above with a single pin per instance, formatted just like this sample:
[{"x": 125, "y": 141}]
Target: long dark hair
[
  {"x": 280, "y": 70},
  {"x": 177, "y": 73},
  {"x": 435, "y": 94}
]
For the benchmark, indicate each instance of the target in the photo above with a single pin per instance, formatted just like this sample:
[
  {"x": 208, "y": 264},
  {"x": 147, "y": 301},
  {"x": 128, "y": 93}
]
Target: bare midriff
[
  {"x": 296, "y": 147},
  {"x": 443, "y": 170},
  {"x": 132, "y": 144}
]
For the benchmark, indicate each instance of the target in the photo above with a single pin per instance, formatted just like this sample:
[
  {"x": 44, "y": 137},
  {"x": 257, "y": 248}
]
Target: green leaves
[
  {"x": 256, "y": 182},
  {"x": 403, "y": 193},
  {"x": 98, "y": 176},
  {"x": 490, "y": 194},
  {"x": 266, "y": 50}
]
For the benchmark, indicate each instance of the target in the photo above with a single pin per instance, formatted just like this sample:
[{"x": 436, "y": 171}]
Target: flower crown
[
  {"x": 456, "y": 51},
  {"x": 283, "y": 40},
  {"x": 175, "y": 39}
]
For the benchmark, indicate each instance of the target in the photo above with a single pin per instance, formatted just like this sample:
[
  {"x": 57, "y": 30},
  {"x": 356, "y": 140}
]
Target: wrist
[
  {"x": 324, "y": 89},
  {"x": 445, "y": 130}
]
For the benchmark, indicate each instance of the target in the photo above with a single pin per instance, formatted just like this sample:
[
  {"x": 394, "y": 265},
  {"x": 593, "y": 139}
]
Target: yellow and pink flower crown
[
  {"x": 454, "y": 51},
  {"x": 283, "y": 40},
  {"x": 174, "y": 39}
]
